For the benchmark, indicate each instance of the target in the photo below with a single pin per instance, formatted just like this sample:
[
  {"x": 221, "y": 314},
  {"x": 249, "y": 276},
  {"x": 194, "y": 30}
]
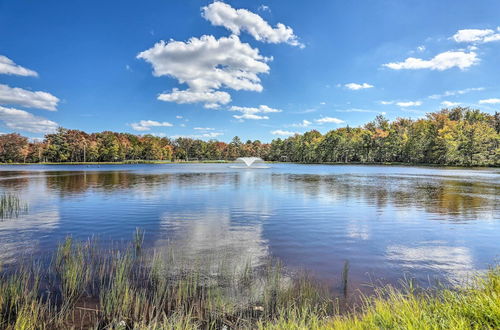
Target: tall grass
[
  {"x": 86, "y": 286},
  {"x": 11, "y": 206}
]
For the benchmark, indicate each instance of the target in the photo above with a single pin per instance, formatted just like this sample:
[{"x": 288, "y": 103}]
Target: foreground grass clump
[
  {"x": 89, "y": 287},
  {"x": 86, "y": 286},
  {"x": 475, "y": 306}
]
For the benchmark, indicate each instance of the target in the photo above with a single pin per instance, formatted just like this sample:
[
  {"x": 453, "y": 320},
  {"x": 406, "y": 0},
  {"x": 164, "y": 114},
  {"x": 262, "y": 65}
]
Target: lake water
[{"x": 387, "y": 221}]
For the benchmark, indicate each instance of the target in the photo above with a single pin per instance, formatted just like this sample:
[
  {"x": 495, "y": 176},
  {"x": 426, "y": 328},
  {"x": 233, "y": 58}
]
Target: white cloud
[
  {"x": 211, "y": 99},
  {"x": 282, "y": 132},
  {"x": 210, "y": 135},
  {"x": 260, "y": 109},
  {"x": 355, "y": 87},
  {"x": 440, "y": 62},
  {"x": 477, "y": 35},
  {"x": 322, "y": 103},
  {"x": 490, "y": 101},
  {"x": 303, "y": 123},
  {"x": 24, "y": 121},
  {"x": 207, "y": 64},
  {"x": 179, "y": 117},
  {"x": 7, "y": 66},
  {"x": 409, "y": 104},
  {"x": 264, "y": 8},
  {"x": 237, "y": 20},
  {"x": 421, "y": 48},
  {"x": 204, "y": 128},
  {"x": 449, "y": 104},
  {"x": 145, "y": 125},
  {"x": 325, "y": 120},
  {"x": 251, "y": 112},
  {"x": 386, "y": 102},
  {"x": 23, "y": 97},
  {"x": 362, "y": 110},
  {"x": 250, "y": 116},
  {"x": 266, "y": 109},
  {"x": 457, "y": 92},
  {"x": 160, "y": 135}
]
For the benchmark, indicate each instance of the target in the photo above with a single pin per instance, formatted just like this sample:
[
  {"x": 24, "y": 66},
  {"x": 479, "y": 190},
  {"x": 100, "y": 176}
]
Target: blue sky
[{"x": 256, "y": 69}]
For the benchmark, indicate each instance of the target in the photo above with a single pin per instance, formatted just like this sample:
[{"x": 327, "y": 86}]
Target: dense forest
[{"x": 458, "y": 136}]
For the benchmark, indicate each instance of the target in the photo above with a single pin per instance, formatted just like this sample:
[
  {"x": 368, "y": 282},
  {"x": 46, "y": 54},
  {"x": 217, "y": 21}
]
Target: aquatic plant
[
  {"x": 345, "y": 278},
  {"x": 86, "y": 286},
  {"x": 11, "y": 206},
  {"x": 138, "y": 239}
]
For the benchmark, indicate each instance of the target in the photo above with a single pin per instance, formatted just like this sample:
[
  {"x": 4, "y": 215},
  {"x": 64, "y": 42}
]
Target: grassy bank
[{"x": 88, "y": 287}]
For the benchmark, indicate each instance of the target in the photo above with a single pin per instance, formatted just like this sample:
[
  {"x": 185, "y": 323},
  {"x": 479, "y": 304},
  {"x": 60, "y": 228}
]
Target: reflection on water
[
  {"x": 454, "y": 263},
  {"x": 215, "y": 236},
  {"x": 386, "y": 221}
]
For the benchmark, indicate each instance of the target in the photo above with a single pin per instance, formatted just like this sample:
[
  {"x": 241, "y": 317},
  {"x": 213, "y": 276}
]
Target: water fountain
[{"x": 250, "y": 162}]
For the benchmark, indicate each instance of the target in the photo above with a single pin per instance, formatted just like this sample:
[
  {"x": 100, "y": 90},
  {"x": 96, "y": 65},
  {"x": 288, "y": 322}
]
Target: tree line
[{"x": 458, "y": 136}]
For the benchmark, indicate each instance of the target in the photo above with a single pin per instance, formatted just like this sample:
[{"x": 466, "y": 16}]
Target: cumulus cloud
[
  {"x": 477, "y": 35},
  {"x": 327, "y": 120},
  {"x": 204, "y": 128},
  {"x": 260, "y": 109},
  {"x": 449, "y": 104},
  {"x": 355, "y": 87},
  {"x": 490, "y": 101},
  {"x": 440, "y": 62},
  {"x": 21, "y": 120},
  {"x": 303, "y": 123},
  {"x": 409, "y": 104},
  {"x": 250, "y": 116},
  {"x": 363, "y": 110},
  {"x": 211, "y": 99},
  {"x": 207, "y": 64},
  {"x": 145, "y": 125},
  {"x": 456, "y": 92},
  {"x": 29, "y": 99},
  {"x": 210, "y": 135},
  {"x": 237, "y": 20},
  {"x": 252, "y": 112},
  {"x": 282, "y": 132},
  {"x": 7, "y": 66}
]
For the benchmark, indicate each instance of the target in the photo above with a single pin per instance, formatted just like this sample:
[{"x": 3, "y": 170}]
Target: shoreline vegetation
[
  {"x": 87, "y": 286},
  {"x": 223, "y": 161},
  {"x": 451, "y": 137}
]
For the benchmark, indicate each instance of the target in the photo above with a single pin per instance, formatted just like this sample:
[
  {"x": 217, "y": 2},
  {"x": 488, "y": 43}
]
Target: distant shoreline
[{"x": 153, "y": 162}]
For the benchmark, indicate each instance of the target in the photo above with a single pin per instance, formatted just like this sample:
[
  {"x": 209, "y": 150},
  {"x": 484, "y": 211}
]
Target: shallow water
[{"x": 387, "y": 221}]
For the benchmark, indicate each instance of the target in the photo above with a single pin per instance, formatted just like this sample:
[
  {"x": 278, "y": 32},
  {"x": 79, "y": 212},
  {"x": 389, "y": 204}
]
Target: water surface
[{"x": 387, "y": 221}]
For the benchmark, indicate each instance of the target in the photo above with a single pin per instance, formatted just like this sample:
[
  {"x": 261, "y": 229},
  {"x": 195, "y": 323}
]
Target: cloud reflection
[
  {"x": 454, "y": 263},
  {"x": 214, "y": 237}
]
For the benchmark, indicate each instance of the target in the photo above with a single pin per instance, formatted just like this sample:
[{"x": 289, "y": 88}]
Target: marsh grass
[
  {"x": 11, "y": 206},
  {"x": 89, "y": 287},
  {"x": 345, "y": 278}
]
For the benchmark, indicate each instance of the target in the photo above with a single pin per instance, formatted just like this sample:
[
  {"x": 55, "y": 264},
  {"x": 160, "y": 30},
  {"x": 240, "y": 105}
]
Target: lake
[{"x": 386, "y": 221}]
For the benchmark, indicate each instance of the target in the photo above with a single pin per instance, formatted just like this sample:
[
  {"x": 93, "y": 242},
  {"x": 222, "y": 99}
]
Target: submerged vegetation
[
  {"x": 458, "y": 136},
  {"x": 86, "y": 286},
  {"x": 11, "y": 206}
]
